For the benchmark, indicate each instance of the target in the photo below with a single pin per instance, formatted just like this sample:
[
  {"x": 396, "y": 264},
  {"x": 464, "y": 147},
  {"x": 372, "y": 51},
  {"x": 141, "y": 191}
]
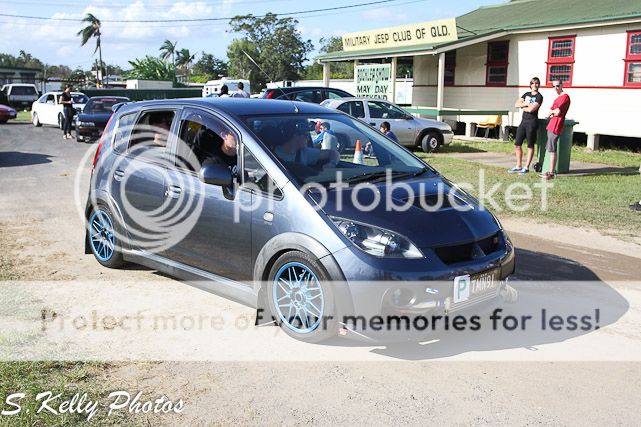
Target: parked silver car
[{"x": 412, "y": 131}]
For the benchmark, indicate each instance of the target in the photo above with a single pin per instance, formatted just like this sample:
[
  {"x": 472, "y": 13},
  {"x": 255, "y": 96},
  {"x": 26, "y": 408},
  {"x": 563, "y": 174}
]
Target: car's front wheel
[
  {"x": 61, "y": 120},
  {"x": 104, "y": 238},
  {"x": 431, "y": 141},
  {"x": 36, "y": 120},
  {"x": 301, "y": 297}
]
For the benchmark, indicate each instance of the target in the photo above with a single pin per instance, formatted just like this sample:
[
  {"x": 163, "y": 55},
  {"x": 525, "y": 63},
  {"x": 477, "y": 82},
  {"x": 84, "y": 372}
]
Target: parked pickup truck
[{"x": 20, "y": 95}]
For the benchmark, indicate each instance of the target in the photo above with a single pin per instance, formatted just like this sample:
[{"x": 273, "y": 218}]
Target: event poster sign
[
  {"x": 374, "y": 81},
  {"x": 424, "y": 33}
]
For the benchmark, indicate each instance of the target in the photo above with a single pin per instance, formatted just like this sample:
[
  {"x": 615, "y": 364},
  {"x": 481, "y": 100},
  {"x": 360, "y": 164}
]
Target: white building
[{"x": 593, "y": 46}]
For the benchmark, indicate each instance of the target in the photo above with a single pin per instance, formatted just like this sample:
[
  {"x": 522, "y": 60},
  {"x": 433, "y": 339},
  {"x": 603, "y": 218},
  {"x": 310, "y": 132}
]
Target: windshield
[
  {"x": 327, "y": 148},
  {"x": 79, "y": 98},
  {"x": 23, "y": 90},
  {"x": 102, "y": 105}
]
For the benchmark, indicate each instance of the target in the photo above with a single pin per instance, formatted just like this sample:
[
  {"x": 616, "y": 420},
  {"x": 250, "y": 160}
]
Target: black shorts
[{"x": 527, "y": 130}]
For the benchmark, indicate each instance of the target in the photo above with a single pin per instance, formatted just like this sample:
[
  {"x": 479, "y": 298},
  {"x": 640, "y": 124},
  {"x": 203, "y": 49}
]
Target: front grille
[{"x": 454, "y": 254}]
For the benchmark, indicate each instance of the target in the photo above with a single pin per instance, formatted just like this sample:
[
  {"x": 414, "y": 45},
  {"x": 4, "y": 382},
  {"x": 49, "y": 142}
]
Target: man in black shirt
[{"x": 529, "y": 104}]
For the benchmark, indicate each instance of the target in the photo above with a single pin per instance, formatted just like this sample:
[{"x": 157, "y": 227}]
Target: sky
[{"x": 56, "y": 42}]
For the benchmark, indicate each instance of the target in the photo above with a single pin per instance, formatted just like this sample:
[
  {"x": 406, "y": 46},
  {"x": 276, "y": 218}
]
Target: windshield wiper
[{"x": 380, "y": 175}]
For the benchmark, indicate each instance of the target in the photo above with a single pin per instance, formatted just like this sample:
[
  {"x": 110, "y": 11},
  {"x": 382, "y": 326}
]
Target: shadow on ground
[{"x": 17, "y": 158}]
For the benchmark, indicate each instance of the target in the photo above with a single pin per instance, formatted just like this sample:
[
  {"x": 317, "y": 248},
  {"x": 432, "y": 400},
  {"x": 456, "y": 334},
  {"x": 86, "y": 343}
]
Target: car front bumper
[
  {"x": 88, "y": 133},
  {"x": 448, "y": 136},
  {"x": 426, "y": 287}
]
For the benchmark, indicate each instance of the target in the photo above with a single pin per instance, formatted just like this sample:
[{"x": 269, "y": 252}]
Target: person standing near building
[
  {"x": 529, "y": 104},
  {"x": 557, "y": 113},
  {"x": 240, "y": 93},
  {"x": 67, "y": 111}
]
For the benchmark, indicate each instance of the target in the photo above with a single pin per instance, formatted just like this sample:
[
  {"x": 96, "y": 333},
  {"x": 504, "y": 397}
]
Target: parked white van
[
  {"x": 20, "y": 95},
  {"x": 212, "y": 87}
]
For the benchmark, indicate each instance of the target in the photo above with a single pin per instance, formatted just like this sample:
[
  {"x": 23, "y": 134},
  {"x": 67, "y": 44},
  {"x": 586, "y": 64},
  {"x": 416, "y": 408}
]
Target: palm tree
[
  {"x": 169, "y": 49},
  {"x": 185, "y": 59},
  {"x": 92, "y": 30}
]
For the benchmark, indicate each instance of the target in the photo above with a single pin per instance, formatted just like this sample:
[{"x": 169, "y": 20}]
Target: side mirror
[
  {"x": 215, "y": 174},
  {"x": 409, "y": 117}
]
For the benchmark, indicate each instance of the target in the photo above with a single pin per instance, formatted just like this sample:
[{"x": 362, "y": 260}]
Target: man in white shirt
[{"x": 240, "y": 93}]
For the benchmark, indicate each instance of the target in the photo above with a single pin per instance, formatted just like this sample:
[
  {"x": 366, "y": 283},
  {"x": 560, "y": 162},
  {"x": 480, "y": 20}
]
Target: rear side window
[
  {"x": 151, "y": 131},
  {"x": 353, "y": 108},
  {"x": 334, "y": 95},
  {"x": 122, "y": 131},
  {"x": 313, "y": 96},
  {"x": 23, "y": 90}
]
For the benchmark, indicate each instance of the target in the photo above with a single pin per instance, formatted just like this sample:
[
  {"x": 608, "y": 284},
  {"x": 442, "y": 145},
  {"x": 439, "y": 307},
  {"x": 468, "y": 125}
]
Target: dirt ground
[{"x": 42, "y": 234}]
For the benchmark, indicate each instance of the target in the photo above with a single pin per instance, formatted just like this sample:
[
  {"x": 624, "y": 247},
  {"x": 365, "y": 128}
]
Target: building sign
[
  {"x": 374, "y": 81},
  {"x": 425, "y": 33}
]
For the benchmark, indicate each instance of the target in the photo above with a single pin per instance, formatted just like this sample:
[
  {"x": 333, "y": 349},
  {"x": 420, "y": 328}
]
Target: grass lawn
[
  {"x": 23, "y": 116},
  {"x": 599, "y": 201},
  {"x": 606, "y": 157},
  {"x": 68, "y": 378}
]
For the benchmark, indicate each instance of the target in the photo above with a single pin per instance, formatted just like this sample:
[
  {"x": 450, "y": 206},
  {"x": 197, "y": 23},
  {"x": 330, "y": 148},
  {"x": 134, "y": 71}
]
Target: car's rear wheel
[
  {"x": 61, "y": 120},
  {"x": 301, "y": 297},
  {"x": 36, "y": 120},
  {"x": 103, "y": 238},
  {"x": 431, "y": 141}
]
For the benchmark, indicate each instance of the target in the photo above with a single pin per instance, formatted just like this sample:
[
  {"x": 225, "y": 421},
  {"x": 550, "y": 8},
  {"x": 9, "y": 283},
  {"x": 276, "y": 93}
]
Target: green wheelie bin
[{"x": 563, "y": 149}]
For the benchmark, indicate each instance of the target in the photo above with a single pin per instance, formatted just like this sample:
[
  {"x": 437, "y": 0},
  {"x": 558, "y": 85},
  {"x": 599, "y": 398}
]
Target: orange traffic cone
[{"x": 358, "y": 153}]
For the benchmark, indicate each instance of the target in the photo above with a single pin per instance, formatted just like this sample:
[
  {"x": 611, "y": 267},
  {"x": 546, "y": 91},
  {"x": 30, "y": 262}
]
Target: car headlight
[
  {"x": 377, "y": 241},
  {"x": 86, "y": 124}
]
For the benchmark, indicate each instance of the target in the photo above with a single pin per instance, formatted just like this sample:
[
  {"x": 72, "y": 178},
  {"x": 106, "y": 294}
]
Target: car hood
[
  {"x": 96, "y": 118},
  {"x": 431, "y": 123},
  {"x": 436, "y": 227}
]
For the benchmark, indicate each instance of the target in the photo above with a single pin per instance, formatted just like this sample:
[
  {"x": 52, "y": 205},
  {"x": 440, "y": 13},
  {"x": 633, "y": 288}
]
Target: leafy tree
[
  {"x": 184, "y": 58},
  {"x": 22, "y": 60},
  {"x": 151, "y": 68},
  {"x": 208, "y": 67},
  {"x": 92, "y": 30},
  {"x": 240, "y": 66},
  {"x": 277, "y": 44},
  {"x": 337, "y": 70},
  {"x": 168, "y": 49}
]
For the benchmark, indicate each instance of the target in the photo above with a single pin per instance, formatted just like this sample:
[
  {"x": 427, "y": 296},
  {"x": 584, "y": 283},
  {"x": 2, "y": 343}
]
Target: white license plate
[{"x": 466, "y": 286}]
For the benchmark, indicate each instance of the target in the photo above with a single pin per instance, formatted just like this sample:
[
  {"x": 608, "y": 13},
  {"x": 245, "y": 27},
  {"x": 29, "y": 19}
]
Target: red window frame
[
  {"x": 560, "y": 61},
  {"x": 450, "y": 67},
  {"x": 497, "y": 63},
  {"x": 631, "y": 58}
]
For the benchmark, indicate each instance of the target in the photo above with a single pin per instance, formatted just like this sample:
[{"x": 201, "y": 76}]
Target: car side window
[
  {"x": 333, "y": 95},
  {"x": 382, "y": 110},
  {"x": 313, "y": 96},
  {"x": 122, "y": 131},
  {"x": 151, "y": 131},
  {"x": 257, "y": 178},
  {"x": 353, "y": 108},
  {"x": 201, "y": 138},
  {"x": 51, "y": 99}
]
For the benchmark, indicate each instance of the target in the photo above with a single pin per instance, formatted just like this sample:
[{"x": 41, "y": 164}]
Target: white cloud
[{"x": 387, "y": 14}]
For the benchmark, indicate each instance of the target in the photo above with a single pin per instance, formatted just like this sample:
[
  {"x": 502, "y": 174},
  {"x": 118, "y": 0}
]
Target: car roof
[
  {"x": 241, "y": 106},
  {"x": 108, "y": 97},
  {"x": 292, "y": 88}
]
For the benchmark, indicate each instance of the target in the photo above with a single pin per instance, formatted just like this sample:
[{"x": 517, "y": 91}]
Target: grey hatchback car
[{"x": 234, "y": 194}]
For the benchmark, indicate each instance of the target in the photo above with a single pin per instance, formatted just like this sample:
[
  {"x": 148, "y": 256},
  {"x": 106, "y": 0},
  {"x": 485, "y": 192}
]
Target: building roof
[{"x": 517, "y": 15}]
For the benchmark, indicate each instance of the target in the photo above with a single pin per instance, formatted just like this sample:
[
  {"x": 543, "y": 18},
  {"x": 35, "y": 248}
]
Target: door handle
[
  {"x": 119, "y": 174},
  {"x": 173, "y": 191}
]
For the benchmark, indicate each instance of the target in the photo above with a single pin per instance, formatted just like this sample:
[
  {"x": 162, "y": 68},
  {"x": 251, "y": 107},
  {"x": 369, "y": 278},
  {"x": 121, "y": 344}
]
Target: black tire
[
  {"x": 36, "y": 120},
  {"x": 327, "y": 321},
  {"x": 61, "y": 120},
  {"x": 3, "y": 121},
  {"x": 115, "y": 259},
  {"x": 537, "y": 167},
  {"x": 431, "y": 141}
]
